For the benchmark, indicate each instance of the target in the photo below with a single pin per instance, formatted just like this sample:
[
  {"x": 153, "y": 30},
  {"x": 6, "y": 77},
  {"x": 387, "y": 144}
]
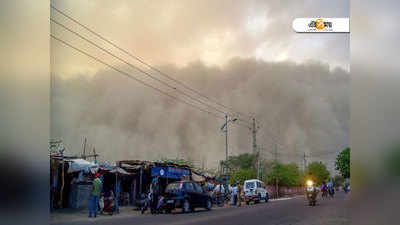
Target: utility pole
[
  {"x": 256, "y": 152},
  {"x": 95, "y": 155},
  {"x": 259, "y": 163},
  {"x": 276, "y": 170},
  {"x": 304, "y": 162},
  {"x": 226, "y": 149},
  {"x": 225, "y": 126},
  {"x": 254, "y": 137},
  {"x": 84, "y": 149}
]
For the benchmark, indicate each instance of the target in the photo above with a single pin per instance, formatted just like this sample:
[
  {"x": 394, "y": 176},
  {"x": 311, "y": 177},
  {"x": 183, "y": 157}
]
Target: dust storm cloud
[{"x": 123, "y": 119}]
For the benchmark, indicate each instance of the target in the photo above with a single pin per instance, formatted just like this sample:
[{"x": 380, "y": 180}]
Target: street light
[{"x": 226, "y": 145}]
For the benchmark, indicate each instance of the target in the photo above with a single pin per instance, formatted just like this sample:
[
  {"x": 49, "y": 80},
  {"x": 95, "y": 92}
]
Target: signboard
[{"x": 169, "y": 172}]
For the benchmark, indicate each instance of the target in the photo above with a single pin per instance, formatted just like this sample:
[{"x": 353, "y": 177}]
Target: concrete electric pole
[
  {"x": 226, "y": 149},
  {"x": 276, "y": 170},
  {"x": 254, "y": 137}
]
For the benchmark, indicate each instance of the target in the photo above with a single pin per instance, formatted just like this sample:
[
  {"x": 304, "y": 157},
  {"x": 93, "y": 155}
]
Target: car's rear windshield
[
  {"x": 173, "y": 187},
  {"x": 250, "y": 185}
]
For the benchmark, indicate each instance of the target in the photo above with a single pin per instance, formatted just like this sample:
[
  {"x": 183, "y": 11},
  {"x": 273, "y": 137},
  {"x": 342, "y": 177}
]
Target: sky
[{"x": 242, "y": 53}]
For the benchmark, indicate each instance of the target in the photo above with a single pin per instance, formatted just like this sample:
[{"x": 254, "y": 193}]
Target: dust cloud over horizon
[{"x": 304, "y": 106}]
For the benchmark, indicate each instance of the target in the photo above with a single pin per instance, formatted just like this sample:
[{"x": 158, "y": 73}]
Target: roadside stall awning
[
  {"x": 198, "y": 178},
  {"x": 76, "y": 165},
  {"x": 119, "y": 170}
]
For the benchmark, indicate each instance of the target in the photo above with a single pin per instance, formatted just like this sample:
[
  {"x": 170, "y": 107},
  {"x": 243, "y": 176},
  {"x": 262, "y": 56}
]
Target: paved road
[{"x": 285, "y": 212}]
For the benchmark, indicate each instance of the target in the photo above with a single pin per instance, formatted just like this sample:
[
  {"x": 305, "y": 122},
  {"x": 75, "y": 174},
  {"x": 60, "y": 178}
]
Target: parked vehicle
[
  {"x": 186, "y": 195},
  {"x": 254, "y": 190}
]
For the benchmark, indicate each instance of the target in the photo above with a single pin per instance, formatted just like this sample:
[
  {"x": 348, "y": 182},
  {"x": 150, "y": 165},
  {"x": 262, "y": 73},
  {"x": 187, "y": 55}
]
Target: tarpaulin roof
[
  {"x": 76, "y": 165},
  {"x": 198, "y": 178},
  {"x": 119, "y": 170},
  {"x": 110, "y": 169}
]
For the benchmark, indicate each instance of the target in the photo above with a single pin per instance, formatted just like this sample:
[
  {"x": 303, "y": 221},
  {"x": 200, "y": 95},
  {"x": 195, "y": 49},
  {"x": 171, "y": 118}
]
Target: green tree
[
  {"x": 338, "y": 180},
  {"x": 242, "y": 175},
  {"x": 318, "y": 172},
  {"x": 242, "y": 162},
  {"x": 287, "y": 175},
  {"x": 343, "y": 163}
]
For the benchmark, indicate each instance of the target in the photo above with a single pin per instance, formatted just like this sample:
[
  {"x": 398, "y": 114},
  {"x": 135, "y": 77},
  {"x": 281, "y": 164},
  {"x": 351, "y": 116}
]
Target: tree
[
  {"x": 242, "y": 175},
  {"x": 343, "y": 163},
  {"x": 318, "y": 172},
  {"x": 288, "y": 175},
  {"x": 338, "y": 181},
  {"x": 243, "y": 161}
]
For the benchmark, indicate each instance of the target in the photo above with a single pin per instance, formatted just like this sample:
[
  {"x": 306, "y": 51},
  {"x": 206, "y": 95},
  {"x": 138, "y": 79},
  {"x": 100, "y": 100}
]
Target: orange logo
[{"x": 320, "y": 24}]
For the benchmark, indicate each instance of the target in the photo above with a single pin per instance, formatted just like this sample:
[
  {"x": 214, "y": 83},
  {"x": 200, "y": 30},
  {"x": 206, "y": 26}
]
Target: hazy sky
[
  {"x": 178, "y": 32},
  {"x": 244, "y": 53}
]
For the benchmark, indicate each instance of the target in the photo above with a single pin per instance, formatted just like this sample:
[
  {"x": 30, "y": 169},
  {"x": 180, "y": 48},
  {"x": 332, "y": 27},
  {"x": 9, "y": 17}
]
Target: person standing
[
  {"x": 235, "y": 194},
  {"x": 239, "y": 192},
  {"x": 155, "y": 188},
  {"x": 117, "y": 195},
  {"x": 95, "y": 195}
]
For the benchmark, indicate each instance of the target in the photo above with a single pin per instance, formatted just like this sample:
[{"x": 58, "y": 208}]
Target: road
[{"x": 293, "y": 211}]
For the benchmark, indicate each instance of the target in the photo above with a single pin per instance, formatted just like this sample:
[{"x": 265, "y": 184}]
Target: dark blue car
[{"x": 186, "y": 195}]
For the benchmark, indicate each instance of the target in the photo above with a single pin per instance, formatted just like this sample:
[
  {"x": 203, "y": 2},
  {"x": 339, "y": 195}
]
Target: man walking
[{"x": 94, "y": 197}]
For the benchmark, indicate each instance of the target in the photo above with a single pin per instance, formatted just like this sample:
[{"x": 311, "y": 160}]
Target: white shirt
[{"x": 234, "y": 191}]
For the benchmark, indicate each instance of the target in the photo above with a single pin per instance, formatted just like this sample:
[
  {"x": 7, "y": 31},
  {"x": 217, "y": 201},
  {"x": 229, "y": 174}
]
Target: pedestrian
[
  {"x": 235, "y": 194},
  {"x": 117, "y": 195},
  {"x": 155, "y": 188},
  {"x": 101, "y": 203},
  {"x": 239, "y": 191},
  {"x": 95, "y": 195}
]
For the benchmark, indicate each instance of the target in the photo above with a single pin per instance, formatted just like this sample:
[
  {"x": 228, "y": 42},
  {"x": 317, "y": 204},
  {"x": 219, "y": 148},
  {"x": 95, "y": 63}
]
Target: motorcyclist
[
  {"x": 219, "y": 192},
  {"x": 324, "y": 190},
  {"x": 311, "y": 192},
  {"x": 331, "y": 191}
]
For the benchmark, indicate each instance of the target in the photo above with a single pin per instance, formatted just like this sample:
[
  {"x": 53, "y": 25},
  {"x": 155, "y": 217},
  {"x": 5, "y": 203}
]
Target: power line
[
  {"x": 143, "y": 62},
  {"x": 133, "y": 66}
]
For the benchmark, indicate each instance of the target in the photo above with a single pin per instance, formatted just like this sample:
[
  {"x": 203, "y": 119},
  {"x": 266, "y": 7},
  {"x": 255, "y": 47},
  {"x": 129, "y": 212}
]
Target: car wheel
[
  {"x": 168, "y": 211},
  {"x": 186, "y": 206},
  {"x": 208, "y": 204}
]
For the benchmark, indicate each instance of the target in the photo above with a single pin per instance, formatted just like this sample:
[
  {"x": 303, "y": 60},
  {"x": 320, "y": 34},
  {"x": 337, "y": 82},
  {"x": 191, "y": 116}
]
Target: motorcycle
[
  {"x": 109, "y": 204},
  {"x": 331, "y": 192},
  {"x": 142, "y": 203},
  {"x": 324, "y": 193},
  {"x": 311, "y": 192}
]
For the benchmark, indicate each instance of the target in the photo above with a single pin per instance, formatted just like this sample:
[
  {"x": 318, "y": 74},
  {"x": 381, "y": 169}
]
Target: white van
[{"x": 254, "y": 190}]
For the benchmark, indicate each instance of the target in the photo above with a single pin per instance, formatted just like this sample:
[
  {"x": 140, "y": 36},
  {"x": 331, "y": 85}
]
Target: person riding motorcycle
[
  {"x": 324, "y": 190},
  {"x": 311, "y": 192},
  {"x": 219, "y": 193},
  {"x": 331, "y": 190}
]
